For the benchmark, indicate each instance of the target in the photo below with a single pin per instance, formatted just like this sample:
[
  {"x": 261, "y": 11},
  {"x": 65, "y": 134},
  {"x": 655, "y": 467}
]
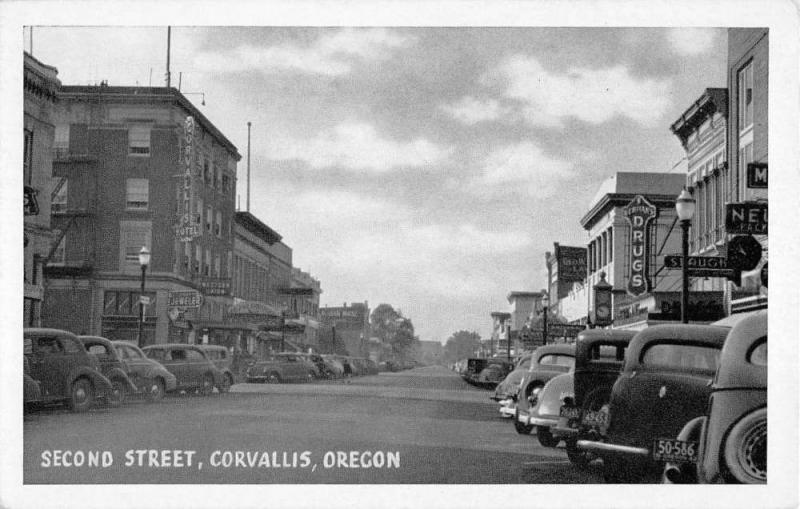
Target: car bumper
[
  {"x": 543, "y": 420},
  {"x": 508, "y": 408},
  {"x": 604, "y": 448}
]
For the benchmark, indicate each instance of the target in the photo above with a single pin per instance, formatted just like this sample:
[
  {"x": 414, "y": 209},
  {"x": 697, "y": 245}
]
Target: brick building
[
  {"x": 346, "y": 327},
  {"x": 133, "y": 164},
  {"x": 41, "y": 86}
]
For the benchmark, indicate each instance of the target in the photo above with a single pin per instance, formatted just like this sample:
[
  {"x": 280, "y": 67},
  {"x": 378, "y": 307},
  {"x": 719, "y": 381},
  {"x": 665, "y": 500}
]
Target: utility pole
[{"x": 169, "y": 36}]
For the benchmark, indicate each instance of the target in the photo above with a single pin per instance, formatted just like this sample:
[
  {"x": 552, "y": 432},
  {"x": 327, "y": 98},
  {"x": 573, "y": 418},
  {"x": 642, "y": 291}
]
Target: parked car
[
  {"x": 732, "y": 435},
  {"x": 665, "y": 383},
  {"x": 487, "y": 372},
  {"x": 283, "y": 367},
  {"x": 333, "y": 366},
  {"x": 64, "y": 369},
  {"x": 316, "y": 360},
  {"x": 546, "y": 362},
  {"x": 31, "y": 390},
  {"x": 221, "y": 357},
  {"x": 148, "y": 375},
  {"x": 599, "y": 358},
  {"x": 545, "y": 412},
  {"x": 506, "y": 390},
  {"x": 192, "y": 368},
  {"x": 111, "y": 367}
]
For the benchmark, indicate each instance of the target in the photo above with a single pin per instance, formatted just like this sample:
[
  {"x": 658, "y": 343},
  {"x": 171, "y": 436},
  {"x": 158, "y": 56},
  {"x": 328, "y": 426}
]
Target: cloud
[
  {"x": 691, "y": 41},
  {"x": 472, "y": 111},
  {"x": 591, "y": 95},
  {"x": 332, "y": 54},
  {"x": 357, "y": 146},
  {"x": 524, "y": 167}
]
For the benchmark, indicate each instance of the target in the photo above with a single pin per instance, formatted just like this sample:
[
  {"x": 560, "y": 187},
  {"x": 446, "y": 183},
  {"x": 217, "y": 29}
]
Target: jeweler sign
[{"x": 639, "y": 213}]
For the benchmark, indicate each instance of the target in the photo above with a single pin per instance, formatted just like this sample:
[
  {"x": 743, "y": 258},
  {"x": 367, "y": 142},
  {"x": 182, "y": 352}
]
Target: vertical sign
[
  {"x": 639, "y": 213},
  {"x": 187, "y": 228}
]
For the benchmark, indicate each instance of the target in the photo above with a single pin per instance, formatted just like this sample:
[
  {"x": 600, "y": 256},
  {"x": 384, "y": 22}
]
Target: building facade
[
  {"x": 499, "y": 345},
  {"x": 345, "y": 329},
  {"x": 304, "y": 296},
  {"x": 139, "y": 167},
  {"x": 566, "y": 266},
  {"x": 41, "y": 87}
]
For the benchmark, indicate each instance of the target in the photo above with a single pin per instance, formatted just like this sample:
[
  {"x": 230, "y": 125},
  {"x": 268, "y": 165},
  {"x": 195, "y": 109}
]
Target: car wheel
[
  {"x": 273, "y": 378},
  {"x": 155, "y": 390},
  {"x": 545, "y": 437},
  {"x": 208, "y": 385},
  {"x": 745, "y": 450},
  {"x": 578, "y": 457},
  {"x": 522, "y": 429},
  {"x": 81, "y": 395},
  {"x": 117, "y": 395}
]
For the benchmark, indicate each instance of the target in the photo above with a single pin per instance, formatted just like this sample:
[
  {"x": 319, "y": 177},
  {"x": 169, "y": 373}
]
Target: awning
[{"x": 250, "y": 308}]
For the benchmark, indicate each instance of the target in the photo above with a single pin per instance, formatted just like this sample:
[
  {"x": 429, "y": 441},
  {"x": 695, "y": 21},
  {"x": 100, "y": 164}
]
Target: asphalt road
[{"x": 420, "y": 426}]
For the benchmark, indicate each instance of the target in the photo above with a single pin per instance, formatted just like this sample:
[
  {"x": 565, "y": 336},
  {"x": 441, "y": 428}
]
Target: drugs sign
[{"x": 639, "y": 213}]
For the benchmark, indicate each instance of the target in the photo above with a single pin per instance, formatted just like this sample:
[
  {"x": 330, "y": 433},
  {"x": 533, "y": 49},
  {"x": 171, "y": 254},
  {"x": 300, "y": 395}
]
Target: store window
[
  {"x": 126, "y": 303},
  {"x": 137, "y": 196},
  {"x": 139, "y": 140}
]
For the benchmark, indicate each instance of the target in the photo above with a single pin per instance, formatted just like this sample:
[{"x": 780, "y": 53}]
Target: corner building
[{"x": 120, "y": 186}]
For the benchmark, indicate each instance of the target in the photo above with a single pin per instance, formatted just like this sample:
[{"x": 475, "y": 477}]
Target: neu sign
[
  {"x": 639, "y": 213},
  {"x": 747, "y": 217}
]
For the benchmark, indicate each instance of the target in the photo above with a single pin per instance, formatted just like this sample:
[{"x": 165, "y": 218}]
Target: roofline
[
  {"x": 149, "y": 93},
  {"x": 620, "y": 199},
  {"x": 705, "y": 106},
  {"x": 255, "y": 225}
]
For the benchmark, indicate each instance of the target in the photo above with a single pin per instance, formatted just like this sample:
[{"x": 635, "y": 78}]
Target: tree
[
  {"x": 461, "y": 345},
  {"x": 394, "y": 330}
]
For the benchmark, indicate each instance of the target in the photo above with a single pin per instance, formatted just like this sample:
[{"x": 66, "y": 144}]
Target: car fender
[
  {"x": 118, "y": 373},
  {"x": 101, "y": 384}
]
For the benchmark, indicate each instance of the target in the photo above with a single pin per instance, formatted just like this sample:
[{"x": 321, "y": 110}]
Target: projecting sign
[
  {"x": 747, "y": 217},
  {"x": 757, "y": 175},
  {"x": 571, "y": 263},
  {"x": 188, "y": 299},
  {"x": 639, "y": 213},
  {"x": 187, "y": 229},
  {"x": 711, "y": 266}
]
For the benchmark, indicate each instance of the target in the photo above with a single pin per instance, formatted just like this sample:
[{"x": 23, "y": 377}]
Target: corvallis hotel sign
[{"x": 639, "y": 213}]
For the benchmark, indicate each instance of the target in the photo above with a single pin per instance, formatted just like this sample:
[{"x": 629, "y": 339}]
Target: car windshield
[
  {"x": 606, "y": 353},
  {"x": 683, "y": 357}
]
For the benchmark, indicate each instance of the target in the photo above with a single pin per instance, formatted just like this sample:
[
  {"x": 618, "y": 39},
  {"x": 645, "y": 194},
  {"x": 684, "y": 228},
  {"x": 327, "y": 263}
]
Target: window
[
  {"x": 682, "y": 357},
  {"x": 126, "y": 303},
  {"x": 226, "y": 183},
  {"x": 136, "y": 194},
  {"x": 59, "y": 201},
  {"x": 49, "y": 345},
  {"x": 610, "y": 245},
  {"x": 61, "y": 139},
  {"x": 745, "y": 156},
  {"x": 178, "y": 355},
  {"x": 133, "y": 236},
  {"x": 198, "y": 259},
  {"x": 206, "y": 176},
  {"x": 199, "y": 211},
  {"x": 59, "y": 255},
  {"x": 187, "y": 256},
  {"x": 139, "y": 140},
  {"x": 745, "y": 91},
  {"x": 215, "y": 182},
  {"x": 607, "y": 353},
  {"x": 27, "y": 156},
  {"x": 218, "y": 225},
  {"x": 758, "y": 355},
  {"x": 194, "y": 356},
  {"x": 207, "y": 263},
  {"x": 209, "y": 218},
  {"x": 217, "y": 266}
]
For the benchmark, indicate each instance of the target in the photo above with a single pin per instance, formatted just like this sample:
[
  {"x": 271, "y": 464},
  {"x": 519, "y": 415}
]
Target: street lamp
[
  {"x": 684, "y": 206},
  {"x": 545, "y": 304},
  {"x": 144, "y": 261}
]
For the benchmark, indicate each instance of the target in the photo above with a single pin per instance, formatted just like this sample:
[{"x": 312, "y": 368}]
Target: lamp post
[
  {"x": 144, "y": 261},
  {"x": 684, "y": 206},
  {"x": 545, "y": 304}
]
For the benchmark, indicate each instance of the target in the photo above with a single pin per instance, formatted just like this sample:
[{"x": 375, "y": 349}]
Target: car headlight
[{"x": 745, "y": 450}]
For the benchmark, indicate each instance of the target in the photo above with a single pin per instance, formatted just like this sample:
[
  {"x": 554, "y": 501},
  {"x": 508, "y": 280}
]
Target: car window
[
  {"x": 526, "y": 363},
  {"x": 72, "y": 345},
  {"x": 28, "y": 348},
  {"x": 606, "y": 353},
  {"x": 47, "y": 345},
  {"x": 178, "y": 355},
  {"x": 98, "y": 350},
  {"x": 681, "y": 356},
  {"x": 194, "y": 355},
  {"x": 157, "y": 354},
  {"x": 758, "y": 355},
  {"x": 557, "y": 360}
]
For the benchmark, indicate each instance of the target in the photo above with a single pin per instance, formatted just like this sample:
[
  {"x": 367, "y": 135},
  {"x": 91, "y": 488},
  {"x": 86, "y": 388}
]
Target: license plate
[
  {"x": 669, "y": 449},
  {"x": 570, "y": 412},
  {"x": 595, "y": 418}
]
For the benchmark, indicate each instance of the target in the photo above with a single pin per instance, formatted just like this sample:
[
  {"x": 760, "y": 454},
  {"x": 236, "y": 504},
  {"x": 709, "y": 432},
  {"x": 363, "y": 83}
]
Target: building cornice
[{"x": 613, "y": 200}]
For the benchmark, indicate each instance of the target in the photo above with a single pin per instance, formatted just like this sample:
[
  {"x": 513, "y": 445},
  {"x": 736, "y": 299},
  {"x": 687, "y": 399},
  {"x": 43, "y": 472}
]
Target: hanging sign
[
  {"x": 639, "y": 213},
  {"x": 187, "y": 229}
]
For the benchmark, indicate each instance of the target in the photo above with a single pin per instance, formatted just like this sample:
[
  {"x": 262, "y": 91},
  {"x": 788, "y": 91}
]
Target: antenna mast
[{"x": 169, "y": 34}]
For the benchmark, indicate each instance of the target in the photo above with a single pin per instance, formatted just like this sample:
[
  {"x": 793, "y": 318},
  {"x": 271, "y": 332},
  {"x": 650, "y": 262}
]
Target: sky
[{"x": 427, "y": 168}]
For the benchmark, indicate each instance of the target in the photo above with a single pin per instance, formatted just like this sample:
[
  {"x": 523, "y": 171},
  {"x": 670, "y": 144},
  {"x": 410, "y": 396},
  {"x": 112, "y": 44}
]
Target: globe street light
[
  {"x": 684, "y": 206},
  {"x": 545, "y": 304},
  {"x": 144, "y": 261}
]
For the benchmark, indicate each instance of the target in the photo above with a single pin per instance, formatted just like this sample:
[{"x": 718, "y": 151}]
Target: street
[{"x": 424, "y": 425}]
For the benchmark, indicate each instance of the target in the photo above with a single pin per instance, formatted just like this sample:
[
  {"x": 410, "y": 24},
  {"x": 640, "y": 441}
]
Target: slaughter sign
[{"x": 639, "y": 213}]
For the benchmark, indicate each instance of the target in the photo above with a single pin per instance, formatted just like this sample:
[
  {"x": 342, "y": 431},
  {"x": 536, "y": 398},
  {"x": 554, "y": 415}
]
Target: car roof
[
  {"x": 734, "y": 369},
  {"x": 169, "y": 345},
  {"x": 709, "y": 335},
  {"x": 98, "y": 339},
  {"x": 44, "y": 331},
  {"x": 558, "y": 349},
  {"x": 212, "y": 347}
]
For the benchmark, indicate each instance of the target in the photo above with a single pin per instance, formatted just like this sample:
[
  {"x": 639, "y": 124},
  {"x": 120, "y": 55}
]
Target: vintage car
[
  {"x": 506, "y": 390},
  {"x": 545, "y": 413},
  {"x": 111, "y": 367},
  {"x": 599, "y": 358},
  {"x": 732, "y": 437},
  {"x": 192, "y": 368},
  {"x": 64, "y": 369},
  {"x": 322, "y": 370},
  {"x": 486, "y": 372},
  {"x": 665, "y": 383},
  {"x": 333, "y": 366},
  {"x": 221, "y": 357},
  {"x": 546, "y": 362},
  {"x": 283, "y": 367},
  {"x": 31, "y": 390},
  {"x": 150, "y": 378}
]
